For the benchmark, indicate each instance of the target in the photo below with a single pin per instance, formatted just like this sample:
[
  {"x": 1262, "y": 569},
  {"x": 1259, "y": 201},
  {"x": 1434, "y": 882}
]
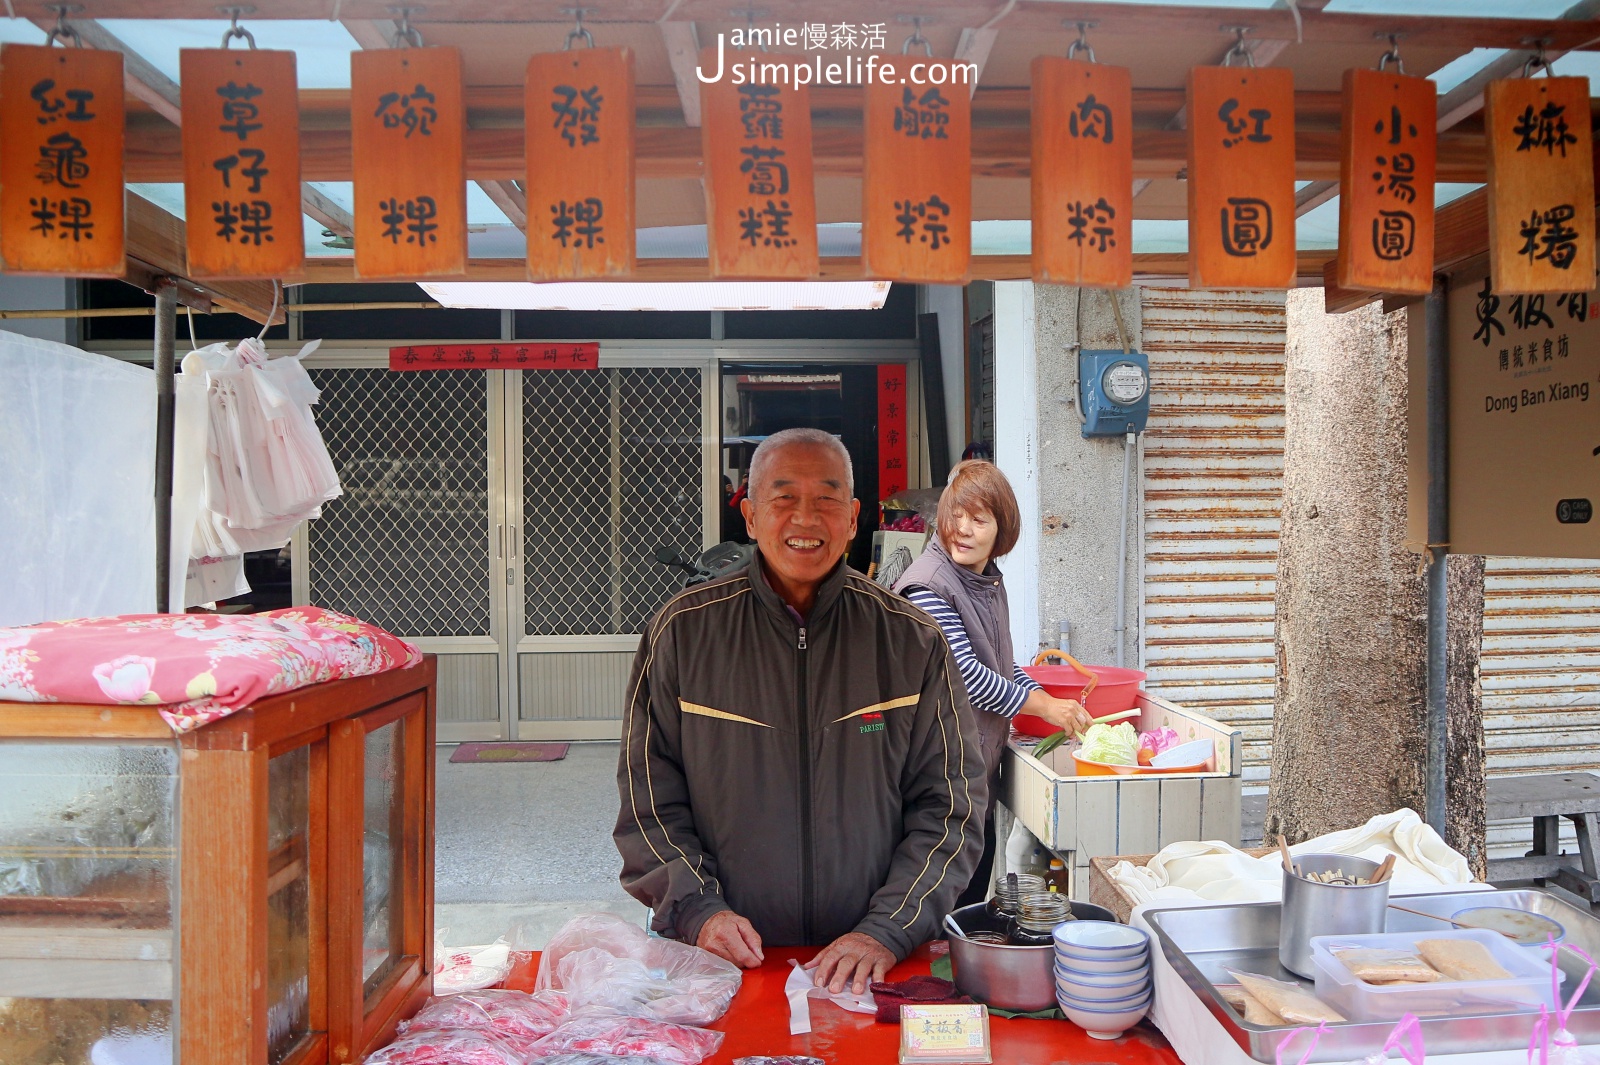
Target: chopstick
[
  {"x": 1419, "y": 913},
  {"x": 1283, "y": 849},
  {"x": 1384, "y": 871}
]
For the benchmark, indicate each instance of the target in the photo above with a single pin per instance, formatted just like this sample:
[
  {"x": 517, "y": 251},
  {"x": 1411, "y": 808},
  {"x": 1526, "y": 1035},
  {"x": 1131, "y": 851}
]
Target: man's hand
[
  {"x": 854, "y": 959},
  {"x": 732, "y": 938}
]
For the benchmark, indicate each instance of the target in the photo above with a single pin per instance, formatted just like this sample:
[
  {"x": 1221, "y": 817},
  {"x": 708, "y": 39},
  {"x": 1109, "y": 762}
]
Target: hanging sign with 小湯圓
[
  {"x": 579, "y": 135},
  {"x": 61, "y": 188},
  {"x": 1241, "y": 177},
  {"x": 407, "y": 138},
  {"x": 1541, "y": 185},
  {"x": 1082, "y": 173},
  {"x": 1388, "y": 155},
  {"x": 241, "y": 163}
]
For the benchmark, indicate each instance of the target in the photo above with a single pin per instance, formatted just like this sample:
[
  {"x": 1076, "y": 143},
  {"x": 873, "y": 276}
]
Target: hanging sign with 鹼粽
[
  {"x": 1082, "y": 173},
  {"x": 579, "y": 129},
  {"x": 61, "y": 171},
  {"x": 407, "y": 138},
  {"x": 1241, "y": 178},
  {"x": 241, "y": 163},
  {"x": 916, "y": 205},
  {"x": 761, "y": 203},
  {"x": 1388, "y": 153},
  {"x": 1541, "y": 185}
]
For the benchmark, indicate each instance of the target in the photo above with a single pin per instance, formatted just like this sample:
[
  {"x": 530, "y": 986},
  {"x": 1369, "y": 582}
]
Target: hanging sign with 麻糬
[
  {"x": 1541, "y": 185},
  {"x": 241, "y": 163},
  {"x": 61, "y": 169},
  {"x": 1082, "y": 173},
  {"x": 916, "y": 206},
  {"x": 579, "y": 129},
  {"x": 1241, "y": 177},
  {"x": 1388, "y": 154},
  {"x": 407, "y": 138},
  {"x": 761, "y": 203}
]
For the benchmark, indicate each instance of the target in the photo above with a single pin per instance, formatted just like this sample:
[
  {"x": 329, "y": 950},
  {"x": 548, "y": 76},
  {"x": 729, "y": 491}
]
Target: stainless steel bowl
[{"x": 1021, "y": 979}]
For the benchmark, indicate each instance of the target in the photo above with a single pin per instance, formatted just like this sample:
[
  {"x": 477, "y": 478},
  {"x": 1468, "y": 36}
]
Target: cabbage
[
  {"x": 1113, "y": 744},
  {"x": 1158, "y": 740}
]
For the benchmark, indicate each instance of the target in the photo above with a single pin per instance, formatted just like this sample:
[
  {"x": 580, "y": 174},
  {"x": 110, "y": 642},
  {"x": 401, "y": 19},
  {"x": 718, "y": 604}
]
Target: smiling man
[{"x": 799, "y": 765}]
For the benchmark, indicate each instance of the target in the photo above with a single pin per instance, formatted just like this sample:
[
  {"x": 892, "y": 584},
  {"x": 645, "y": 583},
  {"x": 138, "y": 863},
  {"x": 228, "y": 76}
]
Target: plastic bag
[
  {"x": 1560, "y": 1047},
  {"x": 468, "y": 968},
  {"x": 602, "y": 961},
  {"x": 519, "y": 1018},
  {"x": 1311, "y": 1044},
  {"x": 581, "y": 1058},
  {"x": 604, "y": 1032},
  {"x": 1415, "y": 1054},
  {"x": 453, "y": 1046}
]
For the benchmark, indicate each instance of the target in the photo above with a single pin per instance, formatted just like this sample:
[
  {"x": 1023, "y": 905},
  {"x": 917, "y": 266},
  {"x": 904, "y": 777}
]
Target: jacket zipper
[{"x": 807, "y": 887}]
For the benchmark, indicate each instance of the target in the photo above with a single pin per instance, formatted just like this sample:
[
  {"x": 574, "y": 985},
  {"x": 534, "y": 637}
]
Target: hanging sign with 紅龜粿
[
  {"x": 761, "y": 203},
  {"x": 61, "y": 187},
  {"x": 1241, "y": 177},
  {"x": 1082, "y": 173},
  {"x": 241, "y": 163},
  {"x": 407, "y": 137},
  {"x": 892, "y": 447},
  {"x": 916, "y": 203},
  {"x": 1541, "y": 185},
  {"x": 1388, "y": 154},
  {"x": 579, "y": 129}
]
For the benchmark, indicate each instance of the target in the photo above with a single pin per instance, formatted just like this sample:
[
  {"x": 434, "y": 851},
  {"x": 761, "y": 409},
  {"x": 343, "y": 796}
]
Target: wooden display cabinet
[{"x": 256, "y": 892}]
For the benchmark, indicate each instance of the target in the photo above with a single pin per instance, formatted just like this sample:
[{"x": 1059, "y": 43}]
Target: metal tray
[{"x": 1203, "y": 942}]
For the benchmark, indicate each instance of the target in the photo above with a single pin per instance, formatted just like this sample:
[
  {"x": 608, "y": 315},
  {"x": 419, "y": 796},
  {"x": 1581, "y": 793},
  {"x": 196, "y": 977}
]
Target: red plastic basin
[{"x": 1118, "y": 690}]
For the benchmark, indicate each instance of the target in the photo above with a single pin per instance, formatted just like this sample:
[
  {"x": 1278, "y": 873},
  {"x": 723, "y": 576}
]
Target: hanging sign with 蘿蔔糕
[
  {"x": 1541, "y": 185},
  {"x": 1241, "y": 177},
  {"x": 916, "y": 202},
  {"x": 61, "y": 188},
  {"x": 241, "y": 163},
  {"x": 1082, "y": 173},
  {"x": 1388, "y": 153},
  {"x": 407, "y": 139},
  {"x": 579, "y": 129},
  {"x": 761, "y": 203}
]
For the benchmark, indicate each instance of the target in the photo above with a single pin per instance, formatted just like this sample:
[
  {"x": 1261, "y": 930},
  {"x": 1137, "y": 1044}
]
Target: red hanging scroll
[{"x": 891, "y": 429}]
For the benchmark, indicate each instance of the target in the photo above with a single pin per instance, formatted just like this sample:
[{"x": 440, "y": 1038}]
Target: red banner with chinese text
[
  {"x": 502, "y": 356},
  {"x": 891, "y": 429}
]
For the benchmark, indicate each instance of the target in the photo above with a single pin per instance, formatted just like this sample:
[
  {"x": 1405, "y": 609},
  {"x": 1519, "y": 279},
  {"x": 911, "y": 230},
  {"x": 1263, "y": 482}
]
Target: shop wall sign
[
  {"x": 892, "y": 448},
  {"x": 498, "y": 356},
  {"x": 1082, "y": 173},
  {"x": 1388, "y": 155},
  {"x": 61, "y": 124}
]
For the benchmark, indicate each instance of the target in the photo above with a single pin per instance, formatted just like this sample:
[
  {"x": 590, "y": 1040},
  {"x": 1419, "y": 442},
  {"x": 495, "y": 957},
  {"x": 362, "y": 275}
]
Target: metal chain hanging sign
[
  {"x": 1541, "y": 185},
  {"x": 407, "y": 138},
  {"x": 1241, "y": 175},
  {"x": 61, "y": 178},
  {"x": 1082, "y": 170},
  {"x": 241, "y": 161}
]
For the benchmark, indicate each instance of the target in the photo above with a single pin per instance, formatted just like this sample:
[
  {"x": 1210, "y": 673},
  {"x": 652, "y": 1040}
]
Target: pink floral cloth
[{"x": 195, "y": 667}]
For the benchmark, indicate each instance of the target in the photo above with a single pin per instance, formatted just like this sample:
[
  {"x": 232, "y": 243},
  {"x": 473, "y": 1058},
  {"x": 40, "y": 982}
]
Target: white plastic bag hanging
[
  {"x": 1415, "y": 1054},
  {"x": 1311, "y": 1044},
  {"x": 1560, "y": 1047}
]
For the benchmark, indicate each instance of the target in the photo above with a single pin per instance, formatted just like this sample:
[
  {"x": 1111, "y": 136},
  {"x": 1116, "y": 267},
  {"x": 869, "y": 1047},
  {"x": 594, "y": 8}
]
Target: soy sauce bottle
[
  {"x": 1037, "y": 916},
  {"x": 1005, "y": 907}
]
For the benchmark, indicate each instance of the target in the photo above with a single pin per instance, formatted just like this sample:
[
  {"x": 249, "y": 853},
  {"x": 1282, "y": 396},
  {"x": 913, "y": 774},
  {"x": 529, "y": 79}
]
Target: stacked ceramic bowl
[{"x": 1102, "y": 972}]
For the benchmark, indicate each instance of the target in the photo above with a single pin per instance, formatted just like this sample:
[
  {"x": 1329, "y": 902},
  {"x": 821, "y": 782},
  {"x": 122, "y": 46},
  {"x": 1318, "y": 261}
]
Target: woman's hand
[{"x": 1066, "y": 714}]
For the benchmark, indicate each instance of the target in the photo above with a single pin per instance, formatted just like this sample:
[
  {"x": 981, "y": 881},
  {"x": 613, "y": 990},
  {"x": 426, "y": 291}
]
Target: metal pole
[
  {"x": 1438, "y": 356},
  {"x": 166, "y": 408},
  {"x": 1120, "y": 627}
]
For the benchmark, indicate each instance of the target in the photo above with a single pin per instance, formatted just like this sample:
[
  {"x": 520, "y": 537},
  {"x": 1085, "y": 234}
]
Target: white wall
[
  {"x": 949, "y": 303},
  {"x": 1016, "y": 451},
  {"x": 39, "y": 293}
]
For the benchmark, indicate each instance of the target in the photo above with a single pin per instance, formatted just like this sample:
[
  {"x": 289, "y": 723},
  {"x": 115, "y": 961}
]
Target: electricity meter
[{"x": 1113, "y": 391}]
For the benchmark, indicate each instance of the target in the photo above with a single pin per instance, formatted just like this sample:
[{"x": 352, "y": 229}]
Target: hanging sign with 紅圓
[
  {"x": 761, "y": 204},
  {"x": 407, "y": 138},
  {"x": 1388, "y": 154},
  {"x": 241, "y": 163},
  {"x": 1082, "y": 173},
  {"x": 916, "y": 206},
  {"x": 1541, "y": 185},
  {"x": 579, "y": 129},
  {"x": 1241, "y": 177},
  {"x": 61, "y": 122}
]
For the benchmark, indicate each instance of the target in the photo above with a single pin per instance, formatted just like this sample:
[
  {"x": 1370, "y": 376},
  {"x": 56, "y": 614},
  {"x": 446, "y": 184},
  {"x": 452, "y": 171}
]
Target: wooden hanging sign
[
  {"x": 761, "y": 201},
  {"x": 1241, "y": 177},
  {"x": 916, "y": 204},
  {"x": 61, "y": 122},
  {"x": 579, "y": 129},
  {"x": 407, "y": 139},
  {"x": 1388, "y": 155},
  {"x": 241, "y": 163},
  {"x": 1541, "y": 185},
  {"x": 1082, "y": 173}
]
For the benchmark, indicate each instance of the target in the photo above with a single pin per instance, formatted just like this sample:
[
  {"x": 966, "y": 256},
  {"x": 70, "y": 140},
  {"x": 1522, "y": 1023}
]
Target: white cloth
[{"x": 800, "y": 989}]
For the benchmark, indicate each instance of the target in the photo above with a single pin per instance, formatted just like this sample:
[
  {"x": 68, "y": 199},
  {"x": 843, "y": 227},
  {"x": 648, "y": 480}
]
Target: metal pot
[
  {"x": 1313, "y": 909},
  {"x": 1020, "y": 979}
]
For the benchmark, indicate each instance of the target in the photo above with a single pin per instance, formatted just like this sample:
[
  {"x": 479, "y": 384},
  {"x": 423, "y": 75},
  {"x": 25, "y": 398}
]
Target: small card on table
[{"x": 955, "y": 1033}]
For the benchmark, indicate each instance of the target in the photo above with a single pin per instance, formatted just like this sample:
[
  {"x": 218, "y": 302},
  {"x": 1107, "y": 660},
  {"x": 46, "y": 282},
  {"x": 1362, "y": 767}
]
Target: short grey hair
[{"x": 808, "y": 437}]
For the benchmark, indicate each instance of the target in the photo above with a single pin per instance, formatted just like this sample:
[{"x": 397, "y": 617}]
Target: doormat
[{"x": 509, "y": 752}]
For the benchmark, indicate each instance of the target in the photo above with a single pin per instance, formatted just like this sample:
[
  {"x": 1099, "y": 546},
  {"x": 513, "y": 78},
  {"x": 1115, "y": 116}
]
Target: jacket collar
[
  {"x": 827, "y": 593},
  {"x": 974, "y": 582}
]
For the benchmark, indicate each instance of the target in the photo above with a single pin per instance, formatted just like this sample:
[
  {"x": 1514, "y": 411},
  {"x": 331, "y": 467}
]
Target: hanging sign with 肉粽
[
  {"x": 1541, "y": 185},
  {"x": 761, "y": 203},
  {"x": 241, "y": 163},
  {"x": 1082, "y": 173},
  {"x": 916, "y": 204},
  {"x": 1241, "y": 177},
  {"x": 61, "y": 170},
  {"x": 1388, "y": 153},
  {"x": 579, "y": 128},
  {"x": 407, "y": 138}
]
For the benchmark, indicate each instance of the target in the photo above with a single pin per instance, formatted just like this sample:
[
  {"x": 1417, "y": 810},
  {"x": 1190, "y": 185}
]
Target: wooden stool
[{"x": 1547, "y": 798}]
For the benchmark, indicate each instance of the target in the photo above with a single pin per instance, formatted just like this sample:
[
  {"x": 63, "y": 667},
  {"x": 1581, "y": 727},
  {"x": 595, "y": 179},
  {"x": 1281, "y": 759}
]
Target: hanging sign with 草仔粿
[
  {"x": 1388, "y": 154},
  {"x": 61, "y": 187},
  {"x": 407, "y": 136},
  {"x": 1541, "y": 185},
  {"x": 579, "y": 129}
]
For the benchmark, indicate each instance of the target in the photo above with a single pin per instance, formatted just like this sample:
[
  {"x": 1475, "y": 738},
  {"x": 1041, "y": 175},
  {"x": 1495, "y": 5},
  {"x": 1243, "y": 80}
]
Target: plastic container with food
[{"x": 1527, "y": 986}]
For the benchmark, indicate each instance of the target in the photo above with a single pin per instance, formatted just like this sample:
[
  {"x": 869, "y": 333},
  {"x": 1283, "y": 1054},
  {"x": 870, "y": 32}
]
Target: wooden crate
[{"x": 1104, "y": 892}]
